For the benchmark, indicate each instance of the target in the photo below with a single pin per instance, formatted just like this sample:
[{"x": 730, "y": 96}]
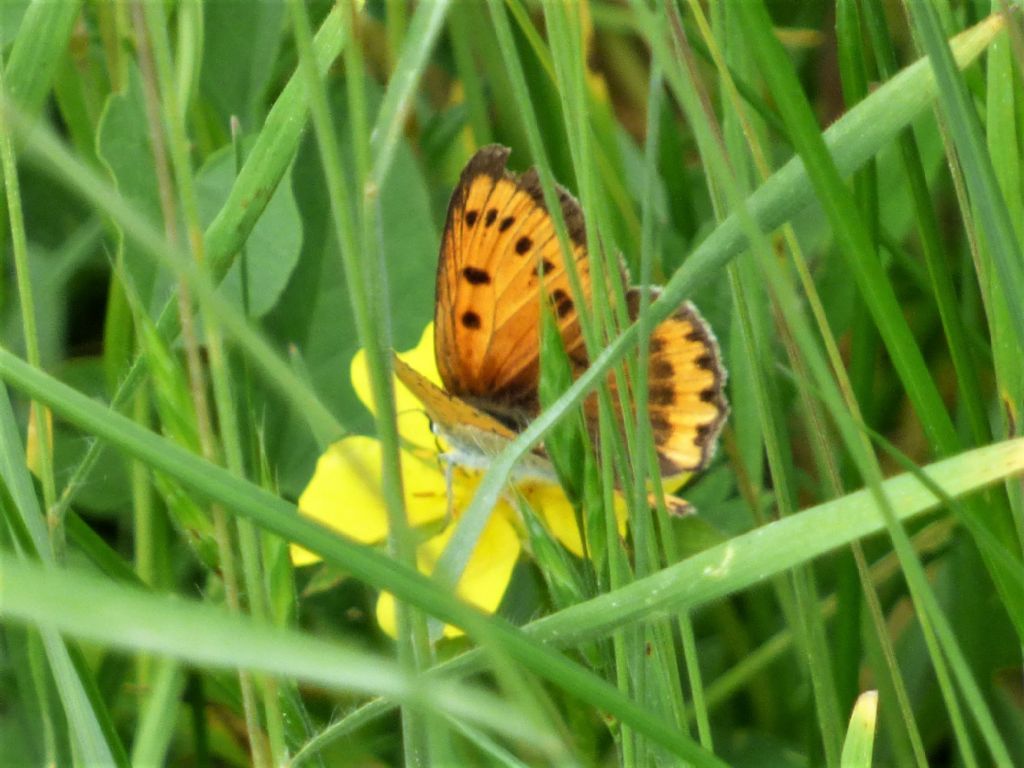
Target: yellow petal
[
  {"x": 421, "y": 357},
  {"x": 345, "y": 493},
  {"x": 485, "y": 578},
  {"x": 550, "y": 502},
  {"x": 413, "y": 426}
]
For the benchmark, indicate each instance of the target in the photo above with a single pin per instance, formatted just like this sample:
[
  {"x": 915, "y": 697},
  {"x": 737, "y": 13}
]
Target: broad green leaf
[
  {"x": 124, "y": 147},
  {"x": 273, "y": 247},
  {"x": 240, "y": 42}
]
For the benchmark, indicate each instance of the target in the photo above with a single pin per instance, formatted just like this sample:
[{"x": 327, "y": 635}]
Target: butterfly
[{"x": 500, "y": 256}]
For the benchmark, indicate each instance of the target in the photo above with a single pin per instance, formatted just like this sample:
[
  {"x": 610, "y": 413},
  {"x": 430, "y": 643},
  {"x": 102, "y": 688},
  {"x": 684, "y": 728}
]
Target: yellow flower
[{"x": 345, "y": 494}]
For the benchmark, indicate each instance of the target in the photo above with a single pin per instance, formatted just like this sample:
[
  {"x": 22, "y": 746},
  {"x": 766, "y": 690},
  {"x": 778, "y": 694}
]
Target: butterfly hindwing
[
  {"x": 499, "y": 251},
  {"x": 685, "y": 390}
]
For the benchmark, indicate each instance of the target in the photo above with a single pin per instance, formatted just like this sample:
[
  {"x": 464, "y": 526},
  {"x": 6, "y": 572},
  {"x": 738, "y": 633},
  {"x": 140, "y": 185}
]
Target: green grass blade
[
  {"x": 986, "y": 197},
  {"x": 274, "y": 149},
  {"x": 89, "y": 721},
  {"x": 127, "y": 618},
  {"x": 426, "y": 25},
  {"x": 748, "y": 559},
  {"x": 45, "y": 148},
  {"x": 860, "y": 736},
  {"x": 38, "y": 50}
]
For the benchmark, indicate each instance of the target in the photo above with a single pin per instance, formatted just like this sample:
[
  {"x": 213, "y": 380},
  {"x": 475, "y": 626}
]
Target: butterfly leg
[{"x": 676, "y": 506}]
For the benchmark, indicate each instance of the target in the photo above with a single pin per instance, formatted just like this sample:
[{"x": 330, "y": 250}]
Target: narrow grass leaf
[
  {"x": 860, "y": 736},
  {"x": 964, "y": 125},
  {"x": 128, "y": 618}
]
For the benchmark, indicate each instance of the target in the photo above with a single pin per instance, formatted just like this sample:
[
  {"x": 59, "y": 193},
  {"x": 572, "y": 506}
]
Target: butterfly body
[
  {"x": 500, "y": 262},
  {"x": 474, "y": 437}
]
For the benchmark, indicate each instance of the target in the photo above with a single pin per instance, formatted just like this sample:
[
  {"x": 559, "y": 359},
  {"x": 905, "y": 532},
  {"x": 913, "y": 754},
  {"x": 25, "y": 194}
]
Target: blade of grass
[
  {"x": 158, "y": 714},
  {"x": 45, "y": 149},
  {"x": 271, "y": 154},
  {"x": 38, "y": 50},
  {"x": 128, "y": 618},
  {"x": 266, "y": 164},
  {"x": 427, "y": 23},
  {"x": 93, "y": 735},
  {"x": 642, "y": 529},
  {"x": 170, "y": 148},
  {"x": 994, "y": 218},
  {"x": 711, "y": 574},
  {"x": 19, "y": 243},
  {"x": 797, "y": 593},
  {"x": 936, "y": 627},
  {"x": 632, "y": 661},
  {"x": 860, "y": 736},
  {"x": 931, "y": 242},
  {"x": 797, "y": 114}
]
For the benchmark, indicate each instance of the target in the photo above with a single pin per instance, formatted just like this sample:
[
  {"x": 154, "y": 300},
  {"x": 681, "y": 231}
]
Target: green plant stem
[
  {"x": 369, "y": 306},
  {"x": 44, "y": 450},
  {"x": 164, "y": 112}
]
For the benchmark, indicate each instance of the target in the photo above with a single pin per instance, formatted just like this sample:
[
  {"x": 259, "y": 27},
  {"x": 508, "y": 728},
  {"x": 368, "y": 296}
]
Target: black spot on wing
[
  {"x": 563, "y": 303},
  {"x": 471, "y": 320},
  {"x": 662, "y": 369},
  {"x": 545, "y": 266},
  {"x": 662, "y": 395},
  {"x": 476, "y": 276},
  {"x": 571, "y": 211}
]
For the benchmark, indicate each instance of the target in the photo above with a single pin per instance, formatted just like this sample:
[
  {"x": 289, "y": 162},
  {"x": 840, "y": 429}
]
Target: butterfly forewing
[{"x": 499, "y": 257}]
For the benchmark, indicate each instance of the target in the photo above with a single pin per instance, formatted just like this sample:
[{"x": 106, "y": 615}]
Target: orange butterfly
[{"x": 499, "y": 243}]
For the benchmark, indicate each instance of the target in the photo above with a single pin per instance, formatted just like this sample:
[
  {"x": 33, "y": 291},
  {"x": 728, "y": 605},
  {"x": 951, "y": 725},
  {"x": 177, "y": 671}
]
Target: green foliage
[{"x": 860, "y": 529}]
